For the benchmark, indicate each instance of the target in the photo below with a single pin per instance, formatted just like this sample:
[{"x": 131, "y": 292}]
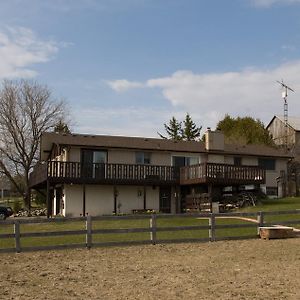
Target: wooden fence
[{"x": 257, "y": 220}]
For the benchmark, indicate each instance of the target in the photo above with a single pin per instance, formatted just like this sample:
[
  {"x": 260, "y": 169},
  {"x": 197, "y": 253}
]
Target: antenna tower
[{"x": 285, "y": 90}]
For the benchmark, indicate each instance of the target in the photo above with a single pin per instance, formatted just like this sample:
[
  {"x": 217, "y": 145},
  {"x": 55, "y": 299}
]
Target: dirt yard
[{"x": 253, "y": 269}]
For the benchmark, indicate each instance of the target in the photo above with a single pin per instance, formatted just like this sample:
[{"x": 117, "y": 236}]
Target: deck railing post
[
  {"x": 153, "y": 229},
  {"x": 88, "y": 226},
  {"x": 260, "y": 220},
  {"x": 17, "y": 236},
  {"x": 212, "y": 227}
]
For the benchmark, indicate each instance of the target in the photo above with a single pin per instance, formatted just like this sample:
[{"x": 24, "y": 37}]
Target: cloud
[
  {"x": 127, "y": 121},
  {"x": 122, "y": 85},
  {"x": 19, "y": 49},
  {"x": 249, "y": 92},
  {"x": 288, "y": 47},
  {"x": 268, "y": 3}
]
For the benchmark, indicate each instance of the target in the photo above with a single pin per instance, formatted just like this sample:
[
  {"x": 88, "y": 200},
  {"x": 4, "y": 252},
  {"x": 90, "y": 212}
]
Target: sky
[{"x": 125, "y": 67}]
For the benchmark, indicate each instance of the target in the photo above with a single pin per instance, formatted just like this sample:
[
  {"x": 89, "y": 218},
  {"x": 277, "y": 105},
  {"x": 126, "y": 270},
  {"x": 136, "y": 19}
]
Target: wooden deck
[
  {"x": 221, "y": 174},
  {"x": 102, "y": 173},
  {"x": 131, "y": 174}
]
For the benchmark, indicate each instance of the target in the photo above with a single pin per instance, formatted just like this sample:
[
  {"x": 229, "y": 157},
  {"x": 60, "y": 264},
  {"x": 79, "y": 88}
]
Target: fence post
[
  {"x": 17, "y": 236},
  {"x": 260, "y": 220},
  {"x": 88, "y": 237},
  {"x": 153, "y": 229},
  {"x": 212, "y": 229}
]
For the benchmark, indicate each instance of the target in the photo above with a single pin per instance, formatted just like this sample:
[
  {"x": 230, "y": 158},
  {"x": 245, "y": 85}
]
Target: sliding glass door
[{"x": 93, "y": 163}]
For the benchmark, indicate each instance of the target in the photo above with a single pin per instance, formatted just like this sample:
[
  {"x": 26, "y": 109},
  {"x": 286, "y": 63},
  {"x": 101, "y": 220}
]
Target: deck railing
[
  {"x": 109, "y": 172},
  {"x": 222, "y": 174},
  {"x": 57, "y": 170}
]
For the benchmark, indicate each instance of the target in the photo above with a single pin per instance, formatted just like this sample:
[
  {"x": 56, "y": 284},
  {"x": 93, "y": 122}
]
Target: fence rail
[{"x": 212, "y": 228}]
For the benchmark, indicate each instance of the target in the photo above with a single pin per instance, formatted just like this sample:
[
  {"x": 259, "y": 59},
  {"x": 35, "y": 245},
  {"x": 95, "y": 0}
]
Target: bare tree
[{"x": 26, "y": 110}]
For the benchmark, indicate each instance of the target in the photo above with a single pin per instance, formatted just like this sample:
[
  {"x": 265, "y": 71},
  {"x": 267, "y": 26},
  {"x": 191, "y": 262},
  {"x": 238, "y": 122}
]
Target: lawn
[
  {"x": 283, "y": 204},
  {"x": 115, "y": 223},
  {"x": 289, "y": 203}
]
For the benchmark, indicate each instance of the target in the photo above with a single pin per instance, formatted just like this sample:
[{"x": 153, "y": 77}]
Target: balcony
[
  {"x": 100, "y": 173},
  {"x": 221, "y": 174},
  {"x": 206, "y": 173}
]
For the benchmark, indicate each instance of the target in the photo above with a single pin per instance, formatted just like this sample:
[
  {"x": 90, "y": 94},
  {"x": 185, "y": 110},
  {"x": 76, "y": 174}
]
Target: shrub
[
  {"x": 40, "y": 199},
  {"x": 17, "y": 206}
]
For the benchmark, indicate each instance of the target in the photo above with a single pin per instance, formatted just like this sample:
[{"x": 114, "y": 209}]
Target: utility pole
[{"x": 285, "y": 90}]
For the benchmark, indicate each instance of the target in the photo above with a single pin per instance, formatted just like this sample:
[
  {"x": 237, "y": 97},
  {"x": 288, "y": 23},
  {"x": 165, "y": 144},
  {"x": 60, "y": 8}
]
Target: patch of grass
[
  {"x": 115, "y": 223},
  {"x": 282, "y": 204},
  {"x": 119, "y": 237},
  {"x": 289, "y": 203}
]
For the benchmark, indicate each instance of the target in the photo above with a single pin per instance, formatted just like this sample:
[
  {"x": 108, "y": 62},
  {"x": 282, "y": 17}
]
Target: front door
[
  {"x": 165, "y": 199},
  {"x": 58, "y": 198}
]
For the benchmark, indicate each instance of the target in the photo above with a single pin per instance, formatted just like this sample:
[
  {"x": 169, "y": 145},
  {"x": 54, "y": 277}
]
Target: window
[
  {"x": 93, "y": 156},
  {"x": 266, "y": 163},
  {"x": 92, "y": 163},
  {"x": 181, "y": 161},
  {"x": 271, "y": 190},
  {"x": 143, "y": 158},
  {"x": 237, "y": 161}
]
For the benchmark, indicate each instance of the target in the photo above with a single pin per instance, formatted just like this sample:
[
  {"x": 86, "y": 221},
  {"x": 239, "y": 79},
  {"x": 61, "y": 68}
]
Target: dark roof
[
  {"x": 139, "y": 143},
  {"x": 107, "y": 141},
  {"x": 257, "y": 150}
]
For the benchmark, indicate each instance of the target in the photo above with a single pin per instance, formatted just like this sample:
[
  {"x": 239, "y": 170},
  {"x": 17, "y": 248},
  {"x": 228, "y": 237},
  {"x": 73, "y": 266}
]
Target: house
[
  {"x": 290, "y": 135},
  {"x": 96, "y": 175}
]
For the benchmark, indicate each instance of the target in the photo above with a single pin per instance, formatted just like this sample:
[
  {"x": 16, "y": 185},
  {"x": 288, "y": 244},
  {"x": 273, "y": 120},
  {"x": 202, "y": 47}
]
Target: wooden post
[
  {"x": 153, "y": 229},
  {"x": 48, "y": 199},
  {"x": 210, "y": 189},
  {"x": 17, "y": 236},
  {"x": 260, "y": 220},
  {"x": 115, "y": 199},
  {"x": 88, "y": 237},
  {"x": 212, "y": 229},
  {"x": 296, "y": 182},
  {"x": 83, "y": 200},
  {"x": 145, "y": 198},
  {"x": 177, "y": 200}
]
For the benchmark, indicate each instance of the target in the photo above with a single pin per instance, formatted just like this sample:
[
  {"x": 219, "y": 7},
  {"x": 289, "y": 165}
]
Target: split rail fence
[{"x": 258, "y": 219}]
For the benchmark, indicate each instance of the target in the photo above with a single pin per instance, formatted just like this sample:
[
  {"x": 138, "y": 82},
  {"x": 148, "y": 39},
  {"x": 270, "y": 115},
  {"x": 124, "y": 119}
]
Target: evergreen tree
[
  {"x": 173, "y": 130},
  {"x": 190, "y": 131},
  {"x": 62, "y": 127}
]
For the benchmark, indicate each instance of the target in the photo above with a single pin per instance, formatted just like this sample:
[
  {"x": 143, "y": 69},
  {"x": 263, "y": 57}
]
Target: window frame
[{"x": 144, "y": 159}]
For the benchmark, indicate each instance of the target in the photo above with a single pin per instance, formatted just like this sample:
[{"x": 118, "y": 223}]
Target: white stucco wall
[
  {"x": 74, "y": 154},
  {"x": 214, "y": 158},
  {"x": 229, "y": 160},
  {"x": 121, "y": 156},
  {"x": 271, "y": 175},
  {"x": 132, "y": 197},
  {"x": 100, "y": 199},
  {"x": 73, "y": 195},
  {"x": 249, "y": 161}
]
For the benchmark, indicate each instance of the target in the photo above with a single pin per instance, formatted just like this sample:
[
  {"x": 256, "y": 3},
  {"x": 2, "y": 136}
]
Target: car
[{"x": 5, "y": 212}]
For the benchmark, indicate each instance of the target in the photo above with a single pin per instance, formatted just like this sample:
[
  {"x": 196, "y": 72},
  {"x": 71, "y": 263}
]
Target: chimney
[{"x": 214, "y": 140}]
